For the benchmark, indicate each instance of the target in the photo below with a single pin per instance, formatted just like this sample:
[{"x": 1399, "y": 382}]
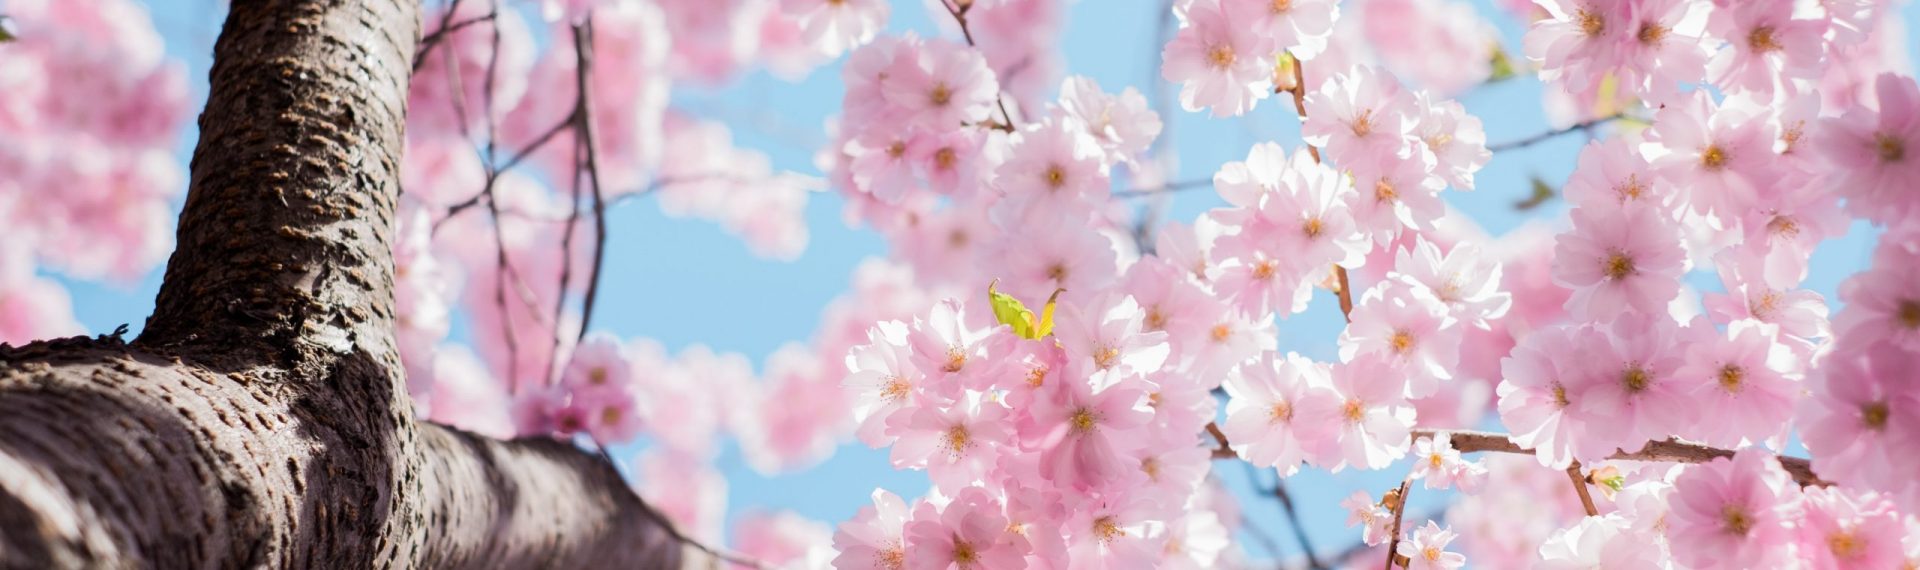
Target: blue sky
[{"x": 685, "y": 282}]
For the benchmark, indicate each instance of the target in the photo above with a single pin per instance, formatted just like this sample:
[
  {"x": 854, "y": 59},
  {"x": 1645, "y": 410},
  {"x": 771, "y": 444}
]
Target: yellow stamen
[
  {"x": 1220, "y": 56},
  {"x": 1875, "y": 415},
  {"x": 1636, "y": 378},
  {"x": 1591, "y": 23},
  {"x": 1714, "y": 158},
  {"x": 1761, "y": 39},
  {"x": 1618, "y": 266},
  {"x": 1891, "y": 149},
  {"x": 1401, "y": 342},
  {"x": 1730, "y": 377}
]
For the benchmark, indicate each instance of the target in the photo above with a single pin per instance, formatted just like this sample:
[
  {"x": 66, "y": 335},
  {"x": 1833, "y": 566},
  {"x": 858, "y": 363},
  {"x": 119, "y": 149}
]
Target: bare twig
[
  {"x": 1542, "y": 137},
  {"x": 1293, "y": 520},
  {"x": 1176, "y": 186},
  {"x": 1670, "y": 451},
  {"x": 583, "y": 50},
  {"x": 1397, "y": 502},
  {"x": 1345, "y": 292},
  {"x": 1580, "y": 487}
]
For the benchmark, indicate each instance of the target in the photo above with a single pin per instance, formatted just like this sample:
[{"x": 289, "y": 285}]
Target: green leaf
[
  {"x": 1011, "y": 312},
  {"x": 1542, "y": 193},
  {"x": 1502, "y": 66},
  {"x": 1046, "y": 314}
]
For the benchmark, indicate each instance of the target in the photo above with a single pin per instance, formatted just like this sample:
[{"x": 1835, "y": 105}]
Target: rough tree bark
[{"x": 261, "y": 419}]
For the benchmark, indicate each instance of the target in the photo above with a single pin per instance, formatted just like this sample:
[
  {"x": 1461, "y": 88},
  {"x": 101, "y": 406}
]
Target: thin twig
[
  {"x": 1265, "y": 538},
  {"x": 1345, "y": 293},
  {"x": 1669, "y": 450},
  {"x": 1176, "y": 186},
  {"x": 1542, "y": 137},
  {"x": 1399, "y": 508},
  {"x": 427, "y": 43},
  {"x": 1300, "y": 100},
  {"x": 1293, "y": 520},
  {"x": 1580, "y": 487},
  {"x": 583, "y": 50}
]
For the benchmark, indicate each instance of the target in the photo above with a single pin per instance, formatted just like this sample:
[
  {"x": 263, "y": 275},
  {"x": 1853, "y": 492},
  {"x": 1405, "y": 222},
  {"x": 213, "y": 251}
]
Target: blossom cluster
[{"x": 89, "y": 180}]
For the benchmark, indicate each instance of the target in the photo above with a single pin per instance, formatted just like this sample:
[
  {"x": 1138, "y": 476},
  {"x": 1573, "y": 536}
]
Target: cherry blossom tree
[{"x": 1069, "y": 367}]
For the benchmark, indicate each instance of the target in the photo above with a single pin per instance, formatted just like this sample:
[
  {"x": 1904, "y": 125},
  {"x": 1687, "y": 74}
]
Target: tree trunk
[{"x": 262, "y": 418}]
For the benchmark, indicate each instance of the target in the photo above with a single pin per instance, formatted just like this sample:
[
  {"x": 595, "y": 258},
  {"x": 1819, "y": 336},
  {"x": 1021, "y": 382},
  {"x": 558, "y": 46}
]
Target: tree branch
[
  {"x": 1583, "y": 126},
  {"x": 1670, "y": 451}
]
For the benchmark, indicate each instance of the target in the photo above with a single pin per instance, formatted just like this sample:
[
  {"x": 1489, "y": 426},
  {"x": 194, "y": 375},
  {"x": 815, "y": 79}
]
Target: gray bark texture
[{"x": 261, "y": 419}]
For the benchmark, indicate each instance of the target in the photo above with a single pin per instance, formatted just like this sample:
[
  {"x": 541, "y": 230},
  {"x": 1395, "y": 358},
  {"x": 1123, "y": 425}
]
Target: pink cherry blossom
[
  {"x": 1371, "y": 426},
  {"x": 952, "y": 353},
  {"x": 1766, "y": 46},
  {"x": 1121, "y": 124},
  {"x": 874, "y": 539},
  {"x": 1455, "y": 138},
  {"x": 1618, "y": 260},
  {"x": 1279, "y": 411},
  {"x": 1375, "y": 521},
  {"x": 1409, "y": 330},
  {"x": 1055, "y": 165},
  {"x": 1745, "y": 380},
  {"x": 1295, "y": 226},
  {"x": 1084, "y": 439},
  {"x": 1720, "y": 154},
  {"x": 1465, "y": 279},
  {"x": 1849, "y": 529},
  {"x": 1733, "y": 513},
  {"x": 1440, "y": 465},
  {"x": 1801, "y": 314},
  {"x": 1426, "y": 549},
  {"x": 1578, "y": 41},
  {"x": 1612, "y": 174},
  {"x": 941, "y": 86},
  {"x": 1660, "y": 48},
  {"x": 969, "y": 532},
  {"x": 1299, "y": 27},
  {"x": 957, "y": 444},
  {"x": 1395, "y": 196},
  {"x": 1057, "y": 254},
  {"x": 1112, "y": 533},
  {"x": 1876, "y": 153},
  {"x": 837, "y": 26},
  {"x": 1220, "y": 65},
  {"x": 1362, "y": 116},
  {"x": 1637, "y": 394},
  {"x": 1600, "y": 542},
  {"x": 1883, "y": 302},
  {"x": 1540, "y": 392},
  {"x": 1105, "y": 334},
  {"x": 1862, "y": 420}
]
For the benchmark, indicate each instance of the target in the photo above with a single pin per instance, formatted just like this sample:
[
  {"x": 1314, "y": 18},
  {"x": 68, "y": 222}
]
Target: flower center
[
  {"x": 1761, "y": 39},
  {"x": 597, "y": 376},
  {"x": 1156, "y": 319},
  {"x": 1151, "y": 466},
  {"x": 1891, "y": 149},
  {"x": 1037, "y": 376},
  {"x": 1730, "y": 377},
  {"x": 1738, "y": 522},
  {"x": 1402, "y": 342},
  {"x": 957, "y": 238},
  {"x": 1633, "y": 188},
  {"x": 1651, "y": 33},
  {"x": 1783, "y": 226},
  {"x": 1618, "y": 265},
  {"x": 1056, "y": 177},
  {"x": 1560, "y": 396},
  {"x": 1264, "y": 270},
  {"x": 1363, "y": 124},
  {"x": 1281, "y": 412},
  {"x": 1591, "y": 23},
  {"x": 956, "y": 359},
  {"x": 1762, "y": 308},
  {"x": 941, "y": 95},
  {"x": 958, "y": 440},
  {"x": 895, "y": 390},
  {"x": 1220, "y": 56},
  {"x": 610, "y": 415},
  {"x": 1082, "y": 420},
  {"x": 945, "y": 158},
  {"x": 1909, "y": 314},
  {"x": 1431, "y": 553},
  {"x": 1383, "y": 191},
  {"x": 1282, "y": 6},
  {"x": 1845, "y": 544},
  {"x": 1057, "y": 272},
  {"x": 1104, "y": 356},
  {"x": 1354, "y": 411},
  {"x": 963, "y": 553},
  {"x": 1439, "y": 141},
  {"x": 1221, "y": 332},
  {"x": 1714, "y": 158},
  {"x": 1636, "y": 378},
  {"x": 1875, "y": 415},
  {"x": 893, "y": 558},
  {"x": 897, "y": 149},
  {"x": 1436, "y": 460},
  {"x": 1107, "y": 529},
  {"x": 1313, "y": 228}
]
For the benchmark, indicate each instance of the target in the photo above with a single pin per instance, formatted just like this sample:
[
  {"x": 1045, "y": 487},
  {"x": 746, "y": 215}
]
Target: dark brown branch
[
  {"x": 959, "y": 14},
  {"x": 1170, "y": 187},
  {"x": 583, "y": 50},
  {"x": 1396, "y": 501},
  {"x": 1670, "y": 451}
]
